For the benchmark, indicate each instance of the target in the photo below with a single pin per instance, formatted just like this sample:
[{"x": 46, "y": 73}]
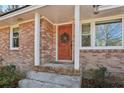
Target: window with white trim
[
  {"x": 108, "y": 33},
  {"x": 105, "y": 34},
  {"x": 86, "y": 37},
  {"x": 14, "y": 37}
]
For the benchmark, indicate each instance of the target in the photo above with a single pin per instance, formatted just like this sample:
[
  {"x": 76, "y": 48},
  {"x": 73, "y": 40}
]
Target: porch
[
  {"x": 56, "y": 44},
  {"x": 57, "y": 47},
  {"x": 73, "y": 16},
  {"x": 46, "y": 22}
]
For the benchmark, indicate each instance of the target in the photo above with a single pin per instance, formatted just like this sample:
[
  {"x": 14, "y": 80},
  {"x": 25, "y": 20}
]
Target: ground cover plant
[{"x": 9, "y": 76}]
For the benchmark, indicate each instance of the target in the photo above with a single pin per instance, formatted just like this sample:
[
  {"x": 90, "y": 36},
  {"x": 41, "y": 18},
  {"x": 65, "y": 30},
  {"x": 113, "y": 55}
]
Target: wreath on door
[{"x": 64, "y": 38}]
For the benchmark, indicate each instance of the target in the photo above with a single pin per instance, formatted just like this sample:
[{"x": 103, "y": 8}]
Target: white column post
[
  {"x": 92, "y": 34},
  {"x": 37, "y": 40},
  {"x": 123, "y": 32},
  {"x": 77, "y": 37}
]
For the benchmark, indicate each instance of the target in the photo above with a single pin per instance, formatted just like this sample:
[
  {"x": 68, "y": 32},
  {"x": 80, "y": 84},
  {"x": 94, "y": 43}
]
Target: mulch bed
[
  {"x": 15, "y": 84},
  {"x": 94, "y": 83}
]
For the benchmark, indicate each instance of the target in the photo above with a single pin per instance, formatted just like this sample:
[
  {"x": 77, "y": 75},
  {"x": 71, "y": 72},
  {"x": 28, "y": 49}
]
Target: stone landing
[{"x": 63, "y": 69}]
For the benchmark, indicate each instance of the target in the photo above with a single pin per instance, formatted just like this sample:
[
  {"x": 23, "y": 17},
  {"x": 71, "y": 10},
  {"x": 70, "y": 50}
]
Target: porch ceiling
[
  {"x": 87, "y": 12},
  {"x": 61, "y": 13}
]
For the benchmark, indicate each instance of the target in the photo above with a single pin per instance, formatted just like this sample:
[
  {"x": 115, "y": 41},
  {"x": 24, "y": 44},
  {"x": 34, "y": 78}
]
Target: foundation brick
[{"x": 112, "y": 59}]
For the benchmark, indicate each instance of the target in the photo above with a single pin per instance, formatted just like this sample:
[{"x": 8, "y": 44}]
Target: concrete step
[
  {"x": 49, "y": 80},
  {"x": 64, "y": 69},
  {"x": 27, "y": 83}
]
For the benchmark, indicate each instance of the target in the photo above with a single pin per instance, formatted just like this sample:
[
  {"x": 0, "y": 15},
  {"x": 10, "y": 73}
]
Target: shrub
[
  {"x": 100, "y": 79},
  {"x": 9, "y": 76},
  {"x": 101, "y": 73}
]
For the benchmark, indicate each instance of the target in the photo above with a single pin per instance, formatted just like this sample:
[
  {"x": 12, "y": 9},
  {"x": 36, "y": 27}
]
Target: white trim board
[
  {"x": 4, "y": 27},
  {"x": 92, "y": 23},
  {"x": 107, "y": 7},
  {"x": 56, "y": 42},
  {"x": 65, "y": 23},
  {"x": 11, "y": 38},
  {"x": 102, "y": 18},
  {"x": 48, "y": 20},
  {"x": 29, "y": 20}
]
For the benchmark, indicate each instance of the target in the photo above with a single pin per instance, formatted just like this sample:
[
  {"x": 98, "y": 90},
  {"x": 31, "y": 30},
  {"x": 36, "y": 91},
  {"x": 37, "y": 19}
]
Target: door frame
[{"x": 57, "y": 25}]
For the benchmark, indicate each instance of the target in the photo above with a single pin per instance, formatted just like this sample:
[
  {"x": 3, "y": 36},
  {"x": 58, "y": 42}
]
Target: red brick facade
[
  {"x": 112, "y": 59},
  {"x": 24, "y": 57},
  {"x": 48, "y": 42}
]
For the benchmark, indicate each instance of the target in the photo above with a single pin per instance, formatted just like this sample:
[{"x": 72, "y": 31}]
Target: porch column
[
  {"x": 37, "y": 40},
  {"x": 77, "y": 37}
]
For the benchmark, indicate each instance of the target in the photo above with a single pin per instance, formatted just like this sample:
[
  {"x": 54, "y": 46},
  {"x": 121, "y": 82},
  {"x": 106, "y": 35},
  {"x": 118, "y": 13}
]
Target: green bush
[
  {"x": 9, "y": 76},
  {"x": 101, "y": 78},
  {"x": 100, "y": 73}
]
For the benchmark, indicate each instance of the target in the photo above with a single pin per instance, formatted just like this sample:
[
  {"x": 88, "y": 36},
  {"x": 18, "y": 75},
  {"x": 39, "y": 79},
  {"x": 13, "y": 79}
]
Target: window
[
  {"x": 86, "y": 42},
  {"x": 108, "y": 33},
  {"x": 105, "y": 34},
  {"x": 14, "y": 37}
]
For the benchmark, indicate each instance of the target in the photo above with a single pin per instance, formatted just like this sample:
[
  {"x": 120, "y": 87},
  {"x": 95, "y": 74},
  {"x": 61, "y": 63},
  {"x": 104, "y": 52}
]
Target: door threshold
[{"x": 65, "y": 61}]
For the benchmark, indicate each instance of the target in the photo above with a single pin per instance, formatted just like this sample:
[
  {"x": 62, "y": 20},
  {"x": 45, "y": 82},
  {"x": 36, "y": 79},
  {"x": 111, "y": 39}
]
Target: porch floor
[
  {"x": 59, "y": 68},
  {"x": 64, "y": 65}
]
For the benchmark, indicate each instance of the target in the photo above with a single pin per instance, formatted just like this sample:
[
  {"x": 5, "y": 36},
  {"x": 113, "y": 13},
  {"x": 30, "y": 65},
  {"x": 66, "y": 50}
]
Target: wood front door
[{"x": 65, "y": 42}]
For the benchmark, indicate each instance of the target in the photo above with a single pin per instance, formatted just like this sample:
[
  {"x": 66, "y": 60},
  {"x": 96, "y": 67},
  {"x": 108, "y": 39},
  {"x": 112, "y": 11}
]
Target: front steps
[
  {"x": 64, "y": 69},
  {"x": 49, "y": 80}
]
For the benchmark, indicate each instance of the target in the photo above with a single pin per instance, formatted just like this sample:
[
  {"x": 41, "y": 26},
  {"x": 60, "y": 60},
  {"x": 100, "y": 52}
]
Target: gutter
[
  {"x": 107, "y": 7},
  {"x": 14, "y": 10},
  {"x": 20, "y": 10}
]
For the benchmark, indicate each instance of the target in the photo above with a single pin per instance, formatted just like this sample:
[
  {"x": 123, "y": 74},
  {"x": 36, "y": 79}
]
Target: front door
[{"x": 65, "y": 42}]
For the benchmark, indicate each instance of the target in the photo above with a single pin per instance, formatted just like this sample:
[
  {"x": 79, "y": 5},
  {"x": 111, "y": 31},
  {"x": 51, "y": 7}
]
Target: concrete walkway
[{"x": 49, "y": 80}]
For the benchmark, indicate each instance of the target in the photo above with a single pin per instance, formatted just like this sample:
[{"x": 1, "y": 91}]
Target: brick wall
[
  {"x": 26, "y": 46},
  {"x": 24, "y": 57},
  {"x": 48, "y": 42},
  {"x": 112, "y": 59}
]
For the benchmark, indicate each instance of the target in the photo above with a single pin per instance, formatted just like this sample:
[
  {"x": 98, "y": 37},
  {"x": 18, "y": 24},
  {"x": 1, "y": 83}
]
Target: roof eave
[
  {"x": 20, "y": 11},
  {"x": 14, "y": 10}
]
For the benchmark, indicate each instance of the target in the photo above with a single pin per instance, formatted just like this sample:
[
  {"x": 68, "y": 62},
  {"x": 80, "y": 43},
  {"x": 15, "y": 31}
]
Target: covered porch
[
  {"x": 57, "y": 47},
  {"x": 57, "y": 32},
  {"x": 68, "y": 25}
]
